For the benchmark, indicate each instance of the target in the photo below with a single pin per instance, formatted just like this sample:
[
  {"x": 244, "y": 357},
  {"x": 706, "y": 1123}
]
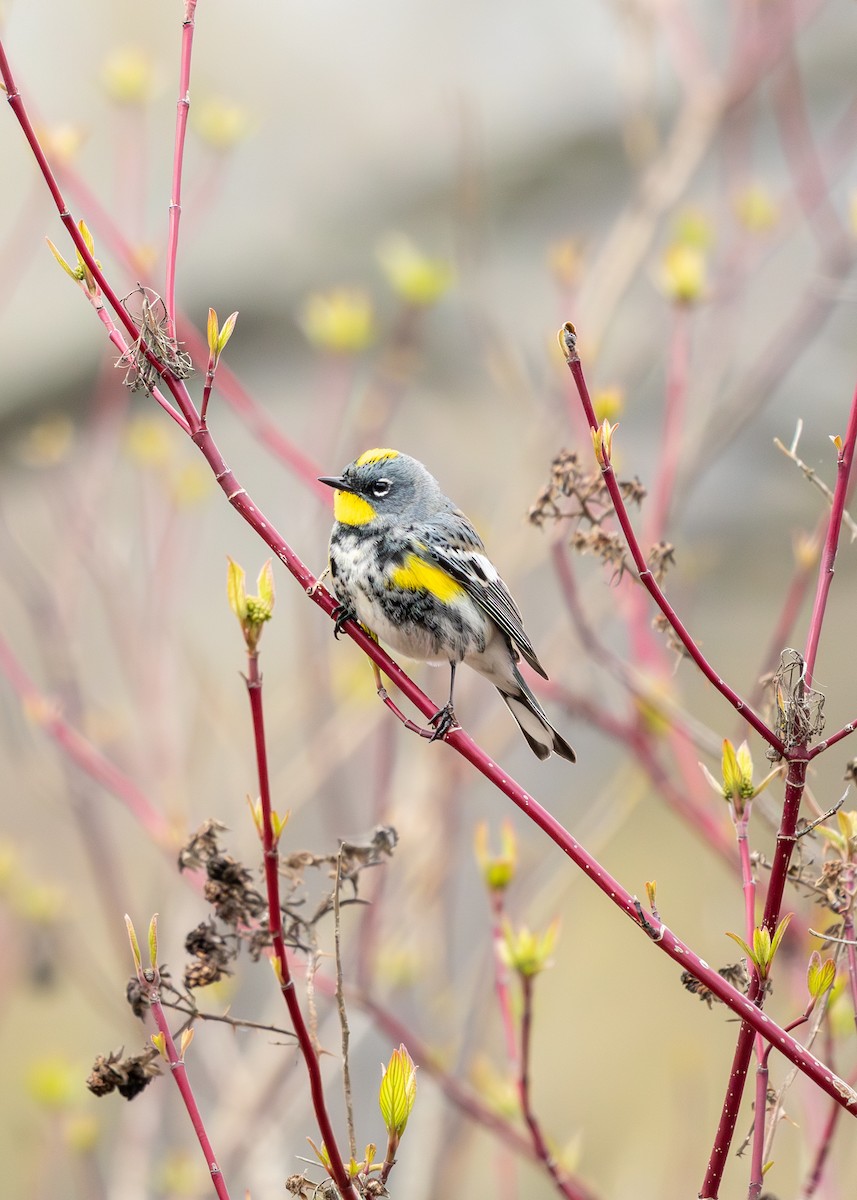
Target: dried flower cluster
[
  {"x": 239, "y": 919},
  {"x": 211, "y": 956},
  {"x": 127, "y": 1076},
  {"x": 735, "y": 973},
  {"x": 242, "y": 910},
  {"x": 798, "y": 708},
  {"x": 148, "y": 312},
  {"x": 577, "y": 494}
]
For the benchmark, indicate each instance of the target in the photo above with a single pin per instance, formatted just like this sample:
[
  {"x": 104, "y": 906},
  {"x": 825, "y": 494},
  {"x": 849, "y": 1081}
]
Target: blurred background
[{"x": 404, "y": 203}]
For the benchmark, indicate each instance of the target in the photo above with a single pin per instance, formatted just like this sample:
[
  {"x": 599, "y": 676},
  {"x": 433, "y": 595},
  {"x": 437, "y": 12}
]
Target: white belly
[{"x": 411, "y": 640}]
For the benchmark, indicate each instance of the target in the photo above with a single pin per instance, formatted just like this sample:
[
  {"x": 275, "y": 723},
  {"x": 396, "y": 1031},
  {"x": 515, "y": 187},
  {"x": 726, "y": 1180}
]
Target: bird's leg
[{"x": 444, "y": 719}]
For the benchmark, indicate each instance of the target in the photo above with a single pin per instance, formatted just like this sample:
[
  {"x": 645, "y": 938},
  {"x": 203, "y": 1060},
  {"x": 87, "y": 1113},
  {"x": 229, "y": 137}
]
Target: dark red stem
[
  {"x": 564, "y": 1185},
  {"x": 825, "y": 1143},
  {"x": 182, "y": 110},
  {"x": 179, "y": 1073},
  {"x": 653, "y": 588},
  {"x": 275, "y": 920},
  {"x": 791, "y": 807},
  {"x": 844, "y": 461},
  {"x": 744, "y": 1047},
  {"x": 759, "y": 1113}
]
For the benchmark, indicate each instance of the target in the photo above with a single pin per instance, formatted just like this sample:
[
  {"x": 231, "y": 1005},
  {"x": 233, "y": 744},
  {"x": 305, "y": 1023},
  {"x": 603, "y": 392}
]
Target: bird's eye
[{"x": 380, "y": 487}]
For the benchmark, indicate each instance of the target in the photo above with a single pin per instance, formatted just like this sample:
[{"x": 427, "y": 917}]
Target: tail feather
[{"x": 541, "y": 736}]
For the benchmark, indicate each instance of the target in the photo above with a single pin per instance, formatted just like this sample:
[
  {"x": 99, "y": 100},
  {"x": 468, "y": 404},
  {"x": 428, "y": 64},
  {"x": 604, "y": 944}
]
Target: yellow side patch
[
  {"x": 417, "y": 575},
  {"x": 373, "y": 456},
  {"x": 349, "y": 509}
]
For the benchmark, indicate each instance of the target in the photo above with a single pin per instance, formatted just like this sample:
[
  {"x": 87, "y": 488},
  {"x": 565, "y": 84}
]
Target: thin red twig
[
  {"x": 179, "y": 1073},
  {"x": 275, "y": 924},
  {"x": 788, "y": 825},
  {"x": 501, "y": 979},
  {"x": 844, "y": 462},
  {"x": 463, "y": 1097},
  {"x": 182, "y": 109},
  {"x": 643, "y": 570},
  {"x": 816, "y": 1171},
  {"x": 564, "y": 1184},
  {"x": 797, "y": 756},
  {"x": 661, "y": 936}
]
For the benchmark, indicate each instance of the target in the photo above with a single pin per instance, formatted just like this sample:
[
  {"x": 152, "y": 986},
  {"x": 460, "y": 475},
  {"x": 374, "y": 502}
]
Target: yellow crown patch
[{"x": 373, "y": 456}]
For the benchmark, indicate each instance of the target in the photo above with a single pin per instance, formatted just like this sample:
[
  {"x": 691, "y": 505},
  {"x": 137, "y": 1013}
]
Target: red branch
[
  {"x": 182, "y": 109},
  {"x": 565, "y": 1185},
  {"x": 791, "y": 808},
  {"x": 797, "y": 755},
  {"x": 179, "y": 1073},
  {"x": 643, "y": 570},
  {"x": 275, "y": 924},
  {"x": 844, "y": 462}
]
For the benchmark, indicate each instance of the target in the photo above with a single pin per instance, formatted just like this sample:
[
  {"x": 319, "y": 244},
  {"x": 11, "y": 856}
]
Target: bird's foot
[
  {"x": 443, "y": 720},
  {"x": 341, "y": 614}
]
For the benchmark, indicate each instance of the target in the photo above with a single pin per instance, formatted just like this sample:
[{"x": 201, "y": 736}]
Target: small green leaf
[
  {"x": 321, "y": 1154},
  {"x": 762, "y": 946},
  {"x": 278, "y": 823},
  {"x": 398, "y": 1092},
  {"x": 135, "y": 945},
  {"x": 819, "y": 975},
  {"x": 211, "y": 333},
  {"x": 256, "y": 813},
  {"x": 778, "y": 936},
  {"x": 526, "y": 952},
  {"x": 731, "y": 771},
  {"x": 85, "y": 272},
  {"x": 236, "y": 590},
  {"x": 75, "y": 274},
  {"x": 265, "y": 584},
  {"x": 87, "y": 237},
  {"x": 748, "y": 952},
  {"x": 226, "y": 332},
  {"x": 498, "y": 870},
  {"x": 153, "y": 941}
]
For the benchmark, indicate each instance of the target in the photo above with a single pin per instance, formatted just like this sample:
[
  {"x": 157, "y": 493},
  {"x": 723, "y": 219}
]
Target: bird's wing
[{"x": 450, "y": 542}]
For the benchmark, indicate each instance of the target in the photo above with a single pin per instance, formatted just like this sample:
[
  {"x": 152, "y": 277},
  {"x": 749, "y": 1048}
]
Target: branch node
[{"x": 655, "y": 933}]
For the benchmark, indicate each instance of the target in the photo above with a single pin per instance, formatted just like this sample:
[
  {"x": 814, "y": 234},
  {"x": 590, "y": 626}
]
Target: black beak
[{"x": 335, "y": 481}]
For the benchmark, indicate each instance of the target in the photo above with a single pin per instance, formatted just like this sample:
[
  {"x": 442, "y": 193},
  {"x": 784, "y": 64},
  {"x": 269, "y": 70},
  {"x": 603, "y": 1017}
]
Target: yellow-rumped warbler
[{"x": 409, "y": 565}]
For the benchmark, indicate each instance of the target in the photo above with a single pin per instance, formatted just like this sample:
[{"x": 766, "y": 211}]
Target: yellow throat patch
[
  {"x": 417, "y": 575},
  {"x": 349, "y": 509}
]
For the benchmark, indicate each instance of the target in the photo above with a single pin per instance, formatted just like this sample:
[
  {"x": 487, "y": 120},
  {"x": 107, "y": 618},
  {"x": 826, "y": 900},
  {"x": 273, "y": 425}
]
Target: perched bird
[{"x": 409, "y": 565}]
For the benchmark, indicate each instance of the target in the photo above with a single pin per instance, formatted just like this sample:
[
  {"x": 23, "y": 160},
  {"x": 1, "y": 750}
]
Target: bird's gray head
[{"x": 385, "y": 484}]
